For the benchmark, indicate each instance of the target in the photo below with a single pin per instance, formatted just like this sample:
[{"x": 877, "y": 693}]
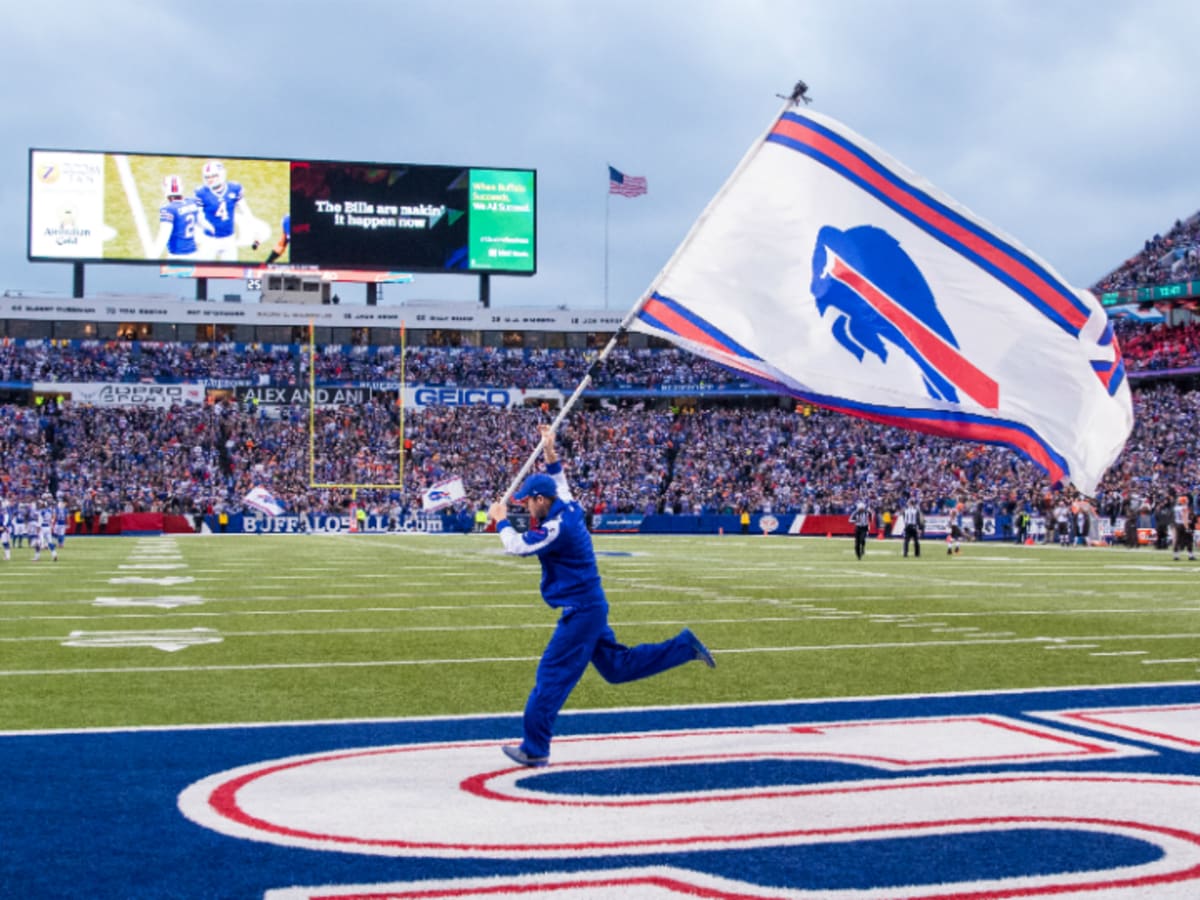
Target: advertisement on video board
[{"x": 144, "y": 208}]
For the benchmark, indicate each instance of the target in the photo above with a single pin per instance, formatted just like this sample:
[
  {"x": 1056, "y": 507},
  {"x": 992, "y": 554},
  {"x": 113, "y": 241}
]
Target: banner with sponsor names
[
  {"x": 457, "y": 316},
  {"x": 122, "y": 394}
]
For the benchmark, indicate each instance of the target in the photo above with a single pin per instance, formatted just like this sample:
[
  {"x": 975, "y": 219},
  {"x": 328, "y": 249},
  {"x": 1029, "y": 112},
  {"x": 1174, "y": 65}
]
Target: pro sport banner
[
  {"x": 442, "y": 494},
  {"x": 827, "y": 270}
]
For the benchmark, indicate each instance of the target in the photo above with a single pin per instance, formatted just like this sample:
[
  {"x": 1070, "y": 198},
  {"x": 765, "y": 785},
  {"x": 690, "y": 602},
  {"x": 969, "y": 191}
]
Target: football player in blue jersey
[
  {"x": 228, "y": 219},
  {"x": 178, "y": 221}
]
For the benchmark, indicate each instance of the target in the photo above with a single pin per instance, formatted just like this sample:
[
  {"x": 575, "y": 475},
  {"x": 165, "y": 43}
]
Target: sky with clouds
[{"x": 1069, "y": 125}]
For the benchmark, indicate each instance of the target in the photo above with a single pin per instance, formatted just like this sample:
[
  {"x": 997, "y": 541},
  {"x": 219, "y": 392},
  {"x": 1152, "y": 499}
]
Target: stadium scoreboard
[{"x": 91, "y": 206}]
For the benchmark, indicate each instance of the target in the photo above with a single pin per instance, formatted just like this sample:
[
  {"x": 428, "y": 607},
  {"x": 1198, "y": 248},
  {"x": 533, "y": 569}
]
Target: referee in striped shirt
[{"x": 912, "y": 527}]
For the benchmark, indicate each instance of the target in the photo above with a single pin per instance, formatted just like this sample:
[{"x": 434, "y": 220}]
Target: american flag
[{"x": 625, "y": 185}]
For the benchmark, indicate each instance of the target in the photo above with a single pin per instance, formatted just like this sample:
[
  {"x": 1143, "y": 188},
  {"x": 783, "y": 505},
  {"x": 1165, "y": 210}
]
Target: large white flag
[
  {"x": 827, "y": 270},
  {"x": 442, "y": 494}
]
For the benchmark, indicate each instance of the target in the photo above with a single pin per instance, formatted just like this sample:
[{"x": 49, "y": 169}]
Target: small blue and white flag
[
  {"x": 262, "y": 500},
  {"x": 827, "y": 270},
  {"x": 442, "y": 494}
]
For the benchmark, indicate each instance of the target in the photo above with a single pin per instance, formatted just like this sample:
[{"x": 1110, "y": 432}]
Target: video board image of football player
[
  {"x": 178, "y": 221},
  {"x": 285, "y": 238},
  {"x": 228, "y": 220}
]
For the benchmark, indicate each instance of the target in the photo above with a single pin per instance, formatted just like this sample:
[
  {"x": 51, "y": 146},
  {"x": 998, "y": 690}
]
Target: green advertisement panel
[{"x": 501, "y": 235}]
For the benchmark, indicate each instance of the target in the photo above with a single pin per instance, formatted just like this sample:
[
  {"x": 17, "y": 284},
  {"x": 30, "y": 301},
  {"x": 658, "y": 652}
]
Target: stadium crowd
[
  {"x": 287, "y": 364},
  {"x": 1160, "y": 347},
  {"x": 1163, "y": 259},
  {"x": 625, "y": 456},
  {"x": 1146, "y": 347}
]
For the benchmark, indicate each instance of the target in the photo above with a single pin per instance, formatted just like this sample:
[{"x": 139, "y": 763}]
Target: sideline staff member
[{"x": 913, "y": 525}]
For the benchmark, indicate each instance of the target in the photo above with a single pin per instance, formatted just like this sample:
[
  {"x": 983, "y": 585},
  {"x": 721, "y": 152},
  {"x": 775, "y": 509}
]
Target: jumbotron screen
[{"x": 87, "y": 206}]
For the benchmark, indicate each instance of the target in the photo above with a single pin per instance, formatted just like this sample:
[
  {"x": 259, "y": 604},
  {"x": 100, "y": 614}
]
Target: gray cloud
[{"x": 1068, "y": 125}]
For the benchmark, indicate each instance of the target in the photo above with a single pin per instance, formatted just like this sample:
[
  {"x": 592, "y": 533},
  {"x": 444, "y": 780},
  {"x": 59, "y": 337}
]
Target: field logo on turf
[{"x": 1062, "y": 802}]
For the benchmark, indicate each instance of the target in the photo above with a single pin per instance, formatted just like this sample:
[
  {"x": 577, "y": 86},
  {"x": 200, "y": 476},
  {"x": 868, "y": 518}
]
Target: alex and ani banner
[{"x": 826, "y": 270}]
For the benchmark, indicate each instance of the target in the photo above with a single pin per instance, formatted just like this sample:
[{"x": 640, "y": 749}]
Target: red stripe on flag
[
  {"x": 680, "y": 325},
  {"x": 983, "y": 432},
  {"x": 799, "y": 132},
  {"x": 677, "y": 324},
  {"x": 962, "y": 373}
]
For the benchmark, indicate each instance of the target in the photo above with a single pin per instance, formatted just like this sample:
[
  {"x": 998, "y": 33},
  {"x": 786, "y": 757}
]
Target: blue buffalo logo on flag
[
  {"x": 880, "y": 298},
  {"x": 826, "y": 270}
]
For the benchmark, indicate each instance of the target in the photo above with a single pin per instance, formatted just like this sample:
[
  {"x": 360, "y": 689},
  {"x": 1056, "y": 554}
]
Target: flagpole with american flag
[{"x": 625, "y": 186}]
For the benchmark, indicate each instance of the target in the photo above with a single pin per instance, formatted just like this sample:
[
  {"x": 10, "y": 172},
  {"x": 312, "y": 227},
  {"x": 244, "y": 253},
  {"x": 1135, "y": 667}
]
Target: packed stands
[
  {"x": 631, "y": 450},
  {"x": 1163, "y": 259}
]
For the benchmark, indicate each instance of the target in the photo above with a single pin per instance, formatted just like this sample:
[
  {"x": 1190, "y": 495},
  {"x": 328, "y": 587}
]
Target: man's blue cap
[{"x": 539, "y": 485}]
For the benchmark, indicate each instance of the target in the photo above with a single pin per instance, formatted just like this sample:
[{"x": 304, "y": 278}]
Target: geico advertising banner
[
  {"x": 124, "y": 394},
  {"x": 422, "y": 396}
]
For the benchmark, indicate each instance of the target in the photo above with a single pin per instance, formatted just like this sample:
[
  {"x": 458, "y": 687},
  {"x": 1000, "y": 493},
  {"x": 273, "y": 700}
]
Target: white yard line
[
  {"x": 720, "y": 652},
  {"x": 1166, "y": 662}
]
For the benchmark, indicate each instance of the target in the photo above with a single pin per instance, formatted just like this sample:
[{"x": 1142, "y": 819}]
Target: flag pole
[
  {"x": 796, "y": 96},
  {"x": 607, "y": 202}
]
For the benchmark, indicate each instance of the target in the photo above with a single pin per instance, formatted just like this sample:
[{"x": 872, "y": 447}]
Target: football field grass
[{"x": 224, "y": 629}]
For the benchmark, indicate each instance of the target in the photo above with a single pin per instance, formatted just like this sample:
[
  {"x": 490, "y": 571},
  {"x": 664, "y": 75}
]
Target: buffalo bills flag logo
[{"x": 879, "y": 298}]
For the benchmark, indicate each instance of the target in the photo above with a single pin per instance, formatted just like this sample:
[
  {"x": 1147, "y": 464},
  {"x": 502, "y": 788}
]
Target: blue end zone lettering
[{"x": 1088, "y": 792}]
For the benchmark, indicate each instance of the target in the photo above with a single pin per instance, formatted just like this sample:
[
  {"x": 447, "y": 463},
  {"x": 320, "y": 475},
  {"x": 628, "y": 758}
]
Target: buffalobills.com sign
[{"x": 335, "y": 524}]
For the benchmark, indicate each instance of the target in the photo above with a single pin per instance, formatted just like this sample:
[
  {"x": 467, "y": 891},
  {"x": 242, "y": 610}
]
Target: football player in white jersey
[
  {"x": 44, "y": 517},
  {"x": 228, "y": 220}
]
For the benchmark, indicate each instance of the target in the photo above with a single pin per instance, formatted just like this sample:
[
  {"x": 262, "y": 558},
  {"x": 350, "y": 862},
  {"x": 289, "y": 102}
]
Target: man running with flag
[{"x": 571, "y": 582}]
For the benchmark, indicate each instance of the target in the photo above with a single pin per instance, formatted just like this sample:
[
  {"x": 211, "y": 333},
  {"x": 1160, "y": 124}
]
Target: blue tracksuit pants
[{"x": 583, "y": 636}]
